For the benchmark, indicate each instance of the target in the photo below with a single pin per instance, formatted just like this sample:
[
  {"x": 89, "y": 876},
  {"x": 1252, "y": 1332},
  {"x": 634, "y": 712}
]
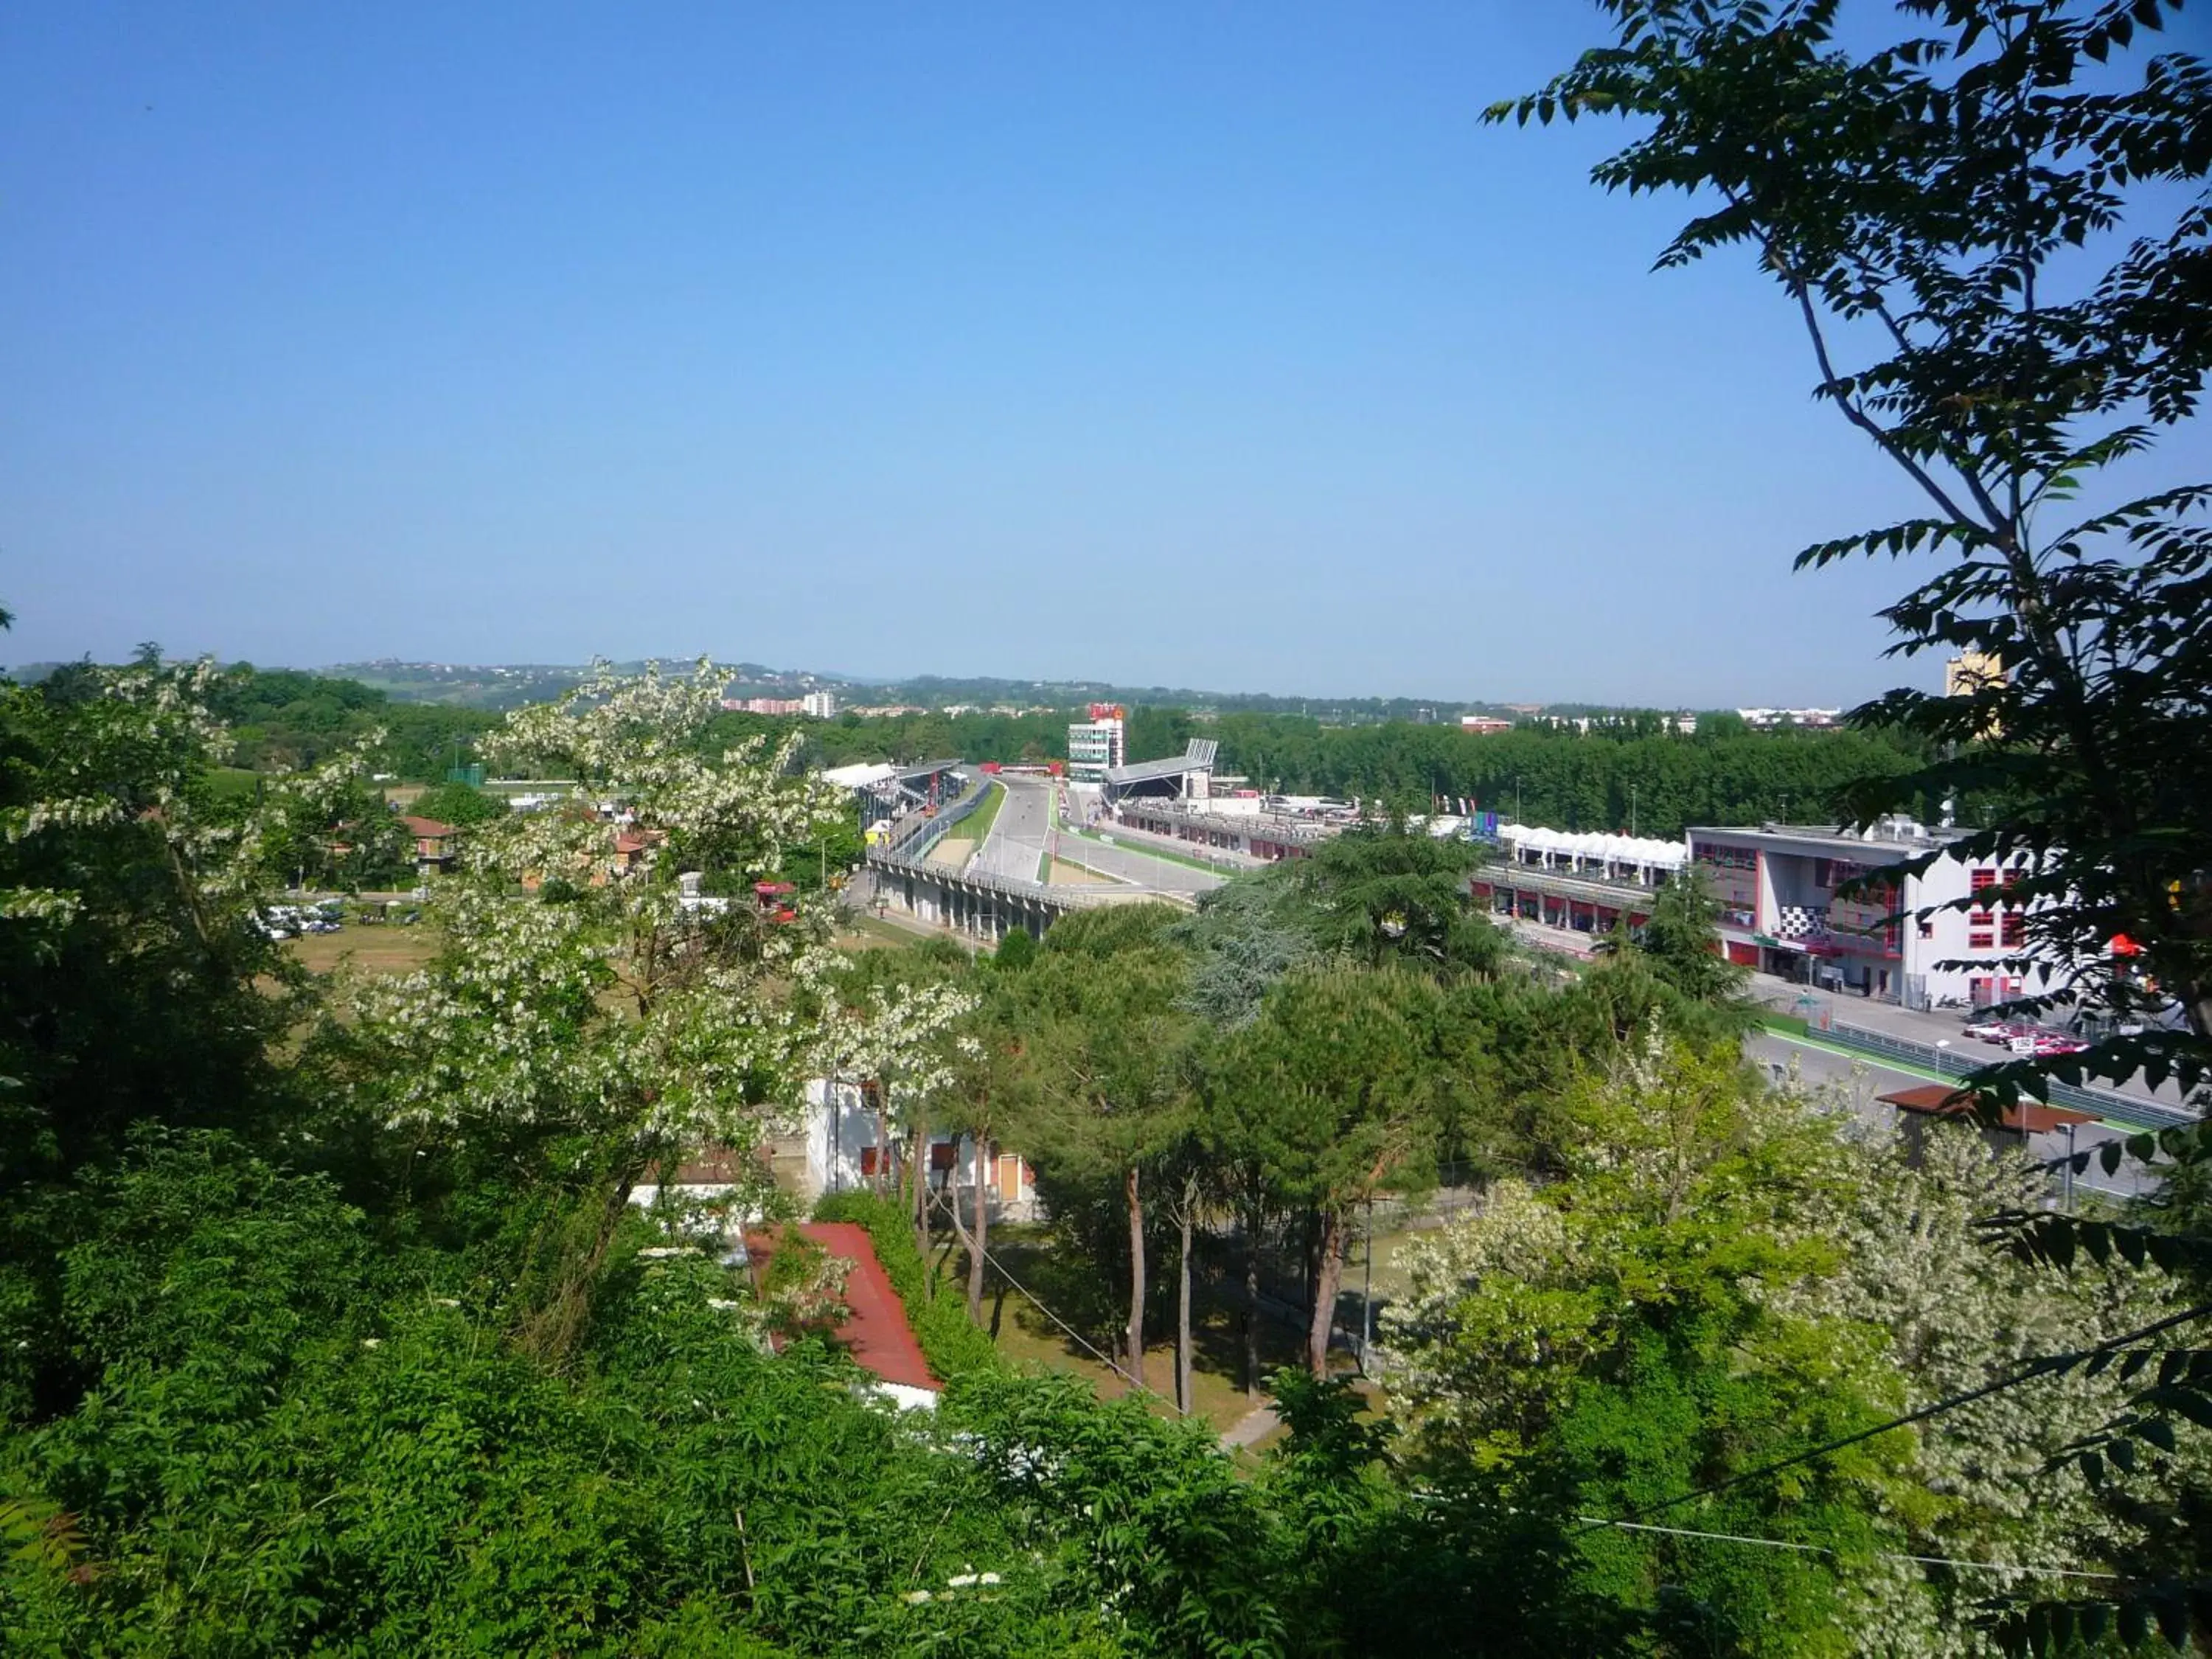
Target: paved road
[
  {"x": 1943, "y": 1025},
  {"x": 1133, "y": 865},
  {"x": 1019, "y": 833}
]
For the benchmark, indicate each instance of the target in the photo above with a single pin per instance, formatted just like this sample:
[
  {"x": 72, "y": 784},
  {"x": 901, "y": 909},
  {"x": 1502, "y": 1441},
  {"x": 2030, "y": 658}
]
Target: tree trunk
[
  {"x": 981, "y": 1238},
  {"x": 1183, "y": 1300},
  {"x": 918, "y": 1163},
  {"x": 1252, "y": 1304},
  {"x": 1328, "y": 1280},
  {"x": 1134, "y": 1336}
]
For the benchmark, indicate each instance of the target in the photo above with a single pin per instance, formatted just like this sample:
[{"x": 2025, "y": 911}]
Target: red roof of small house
[
  {"x": 1941, "y": 1100},
  {"x": 630, "y": 843},
  {"x": 875, "y": 1330},
  {"x": 426, "y": 828}
]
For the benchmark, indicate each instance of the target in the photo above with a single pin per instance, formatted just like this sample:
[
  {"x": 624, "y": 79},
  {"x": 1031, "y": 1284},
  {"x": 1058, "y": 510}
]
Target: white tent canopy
[
  {"x": 1592, "y": 853},
  {"x": 863, "y": 776}
]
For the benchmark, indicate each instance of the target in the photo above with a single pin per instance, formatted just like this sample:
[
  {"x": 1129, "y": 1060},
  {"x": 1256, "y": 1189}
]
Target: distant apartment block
[
  {"x": 1969, "y": 673},
  {"x": 819, "y": 704},
  {"x": 1483, "y": 726}
]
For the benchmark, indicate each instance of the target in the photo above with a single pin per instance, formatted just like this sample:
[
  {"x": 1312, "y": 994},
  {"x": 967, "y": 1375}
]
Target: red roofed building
[
  {"x": 435, "y": 842},
  {"x": 874, "y": 1329},
  {"x": 2009, "y": 1130}
]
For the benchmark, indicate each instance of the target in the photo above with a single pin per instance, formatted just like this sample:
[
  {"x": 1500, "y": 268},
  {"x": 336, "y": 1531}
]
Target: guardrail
[
  {"x": 918, "y": 841},
  {"x": 1071, "y": 898},
  {"x": 1949, "y": 1062}
]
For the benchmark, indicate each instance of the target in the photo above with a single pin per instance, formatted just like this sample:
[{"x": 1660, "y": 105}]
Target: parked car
[{"x": 2057, "y": 1043}]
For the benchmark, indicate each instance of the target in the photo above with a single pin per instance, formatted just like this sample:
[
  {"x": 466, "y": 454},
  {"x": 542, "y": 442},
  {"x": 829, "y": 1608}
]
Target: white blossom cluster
[
  {"x": 150, "y": 726},
  {"x": 1959, "y": 1314},
  {"x": 904, "y": 1038},
  {"x": 576, "y": 987}
]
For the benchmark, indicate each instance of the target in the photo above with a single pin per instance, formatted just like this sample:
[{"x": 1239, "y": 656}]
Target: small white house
[{"x": 837, "y": 1126}]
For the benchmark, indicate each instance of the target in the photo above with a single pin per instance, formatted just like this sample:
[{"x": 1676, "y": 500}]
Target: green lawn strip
[
  {"x": 977, "y": 824},
  {"x": 1044, "y": 869}
]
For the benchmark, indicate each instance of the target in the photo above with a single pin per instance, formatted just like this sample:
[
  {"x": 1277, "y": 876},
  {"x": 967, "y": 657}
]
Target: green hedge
[{"x": 953, "y": 1346}]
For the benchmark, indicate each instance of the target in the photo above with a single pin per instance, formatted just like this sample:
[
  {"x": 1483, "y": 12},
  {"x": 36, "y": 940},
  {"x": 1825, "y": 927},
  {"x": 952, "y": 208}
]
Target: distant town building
[
  {"x": 1097, "y": 745},
  {"x": 1781, "y": 912},
  {"x": 1971, "y": 672},
  {"x": 1770, "y": 717},
  {"x": 821, "y": 705},
  {"x": 1483, "y": 726}
]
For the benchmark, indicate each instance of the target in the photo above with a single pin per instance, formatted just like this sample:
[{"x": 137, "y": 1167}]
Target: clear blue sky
[{"x": 1199, "y": 343}]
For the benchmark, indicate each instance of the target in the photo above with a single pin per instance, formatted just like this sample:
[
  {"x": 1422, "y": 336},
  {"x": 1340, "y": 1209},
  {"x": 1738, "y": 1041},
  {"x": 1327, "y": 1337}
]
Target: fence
[
  {"x": 2108, "y": 1103},
  {"x": 914, "y": 845}
]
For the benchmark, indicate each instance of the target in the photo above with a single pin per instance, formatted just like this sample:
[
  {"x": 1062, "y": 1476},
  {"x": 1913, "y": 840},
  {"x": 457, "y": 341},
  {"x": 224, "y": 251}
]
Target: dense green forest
[
  {"x": 282, "y": 720},
  {"x": 1605, "y": 779},
  {"x": 1630, "y": 770}
]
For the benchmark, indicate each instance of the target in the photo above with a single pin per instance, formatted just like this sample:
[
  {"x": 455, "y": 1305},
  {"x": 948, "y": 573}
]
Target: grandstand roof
[
  {"x": 861, "y": 776},
  {"x": 1617, "y": 849},
  {"x": 868, "y": 775},
  {"x": 1198, "y": 756}
]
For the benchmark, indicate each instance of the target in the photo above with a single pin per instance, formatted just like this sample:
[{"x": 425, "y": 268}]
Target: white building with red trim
[{"x": 1781, "y": 912}]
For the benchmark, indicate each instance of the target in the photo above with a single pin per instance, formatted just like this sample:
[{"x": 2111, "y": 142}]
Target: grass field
[
  {"x": 388, "y": 948},
  {"x": 1028, "y": 1336}
]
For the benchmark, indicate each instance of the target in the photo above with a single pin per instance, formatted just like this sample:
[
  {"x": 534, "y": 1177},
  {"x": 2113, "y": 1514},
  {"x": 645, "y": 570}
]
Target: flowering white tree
[
  {"x": 901, "y": 1040},
  {"x": 1864, "y": 1273},
  {"x": 588, "y": 997},
  {"x": 131, "y": 756},
  {"x": 1957, "y": 1314}
]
